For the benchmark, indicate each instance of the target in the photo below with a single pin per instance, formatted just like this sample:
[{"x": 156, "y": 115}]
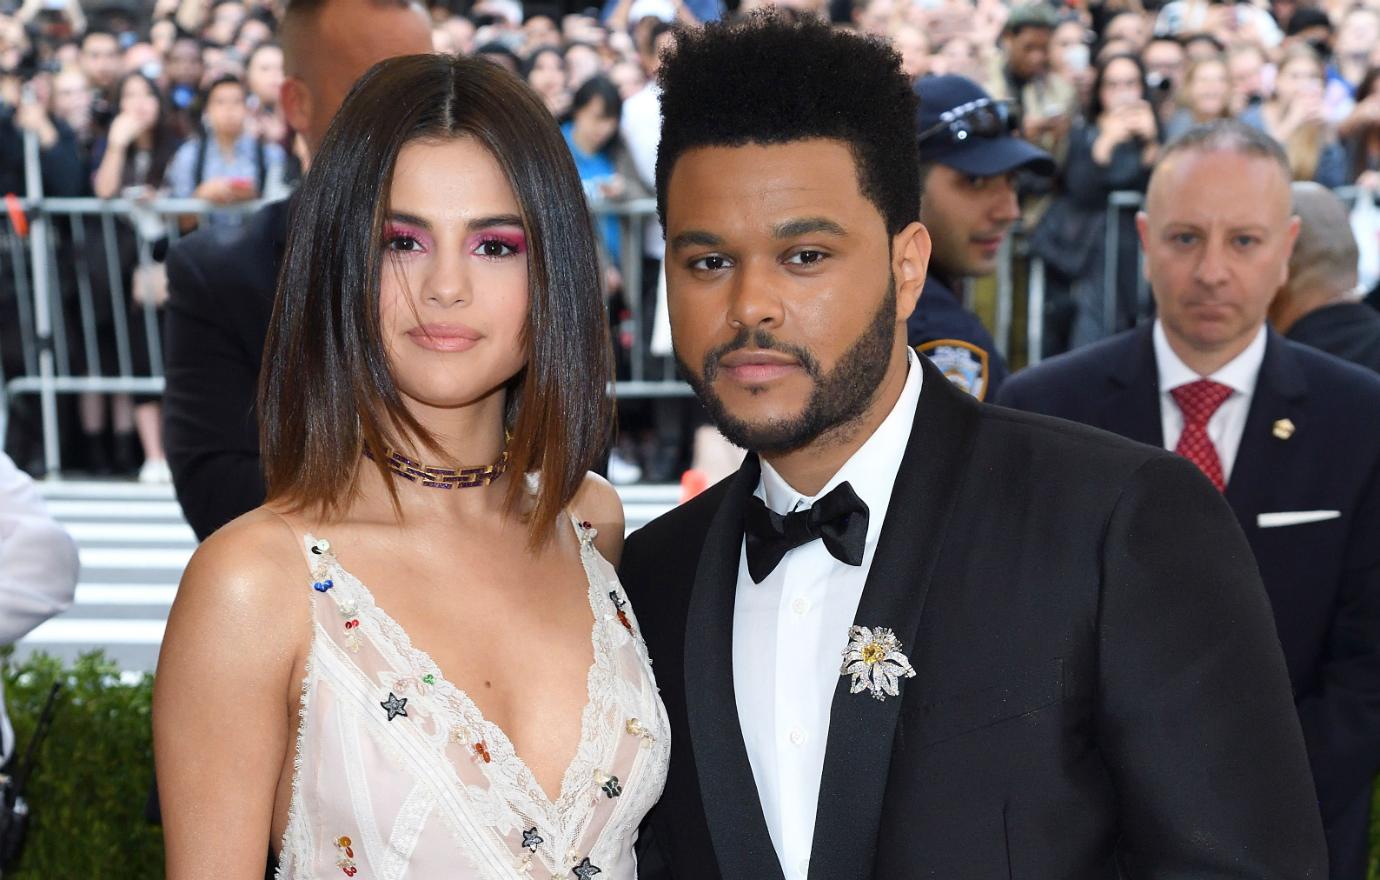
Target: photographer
[{"x": 20, "y": 112}]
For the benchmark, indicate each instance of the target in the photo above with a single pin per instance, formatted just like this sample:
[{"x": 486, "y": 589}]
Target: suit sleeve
[
  {"x": 212, "y": 383},
  {"x": 1195, "y": 715},
  {"x": 1341, "y": 718}
]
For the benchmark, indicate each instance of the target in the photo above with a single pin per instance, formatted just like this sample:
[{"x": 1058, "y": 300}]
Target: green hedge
[
  {"x": 91, "y": 783},
  {"x": 92, "y": 780}
]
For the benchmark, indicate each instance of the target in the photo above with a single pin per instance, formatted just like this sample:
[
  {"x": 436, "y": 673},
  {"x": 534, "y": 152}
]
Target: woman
[
  {"x": 439, "y": 302},
  {"x": 592, "y": 135},
  {"x": 263, "y": 77},
  {"x": 1111, "y": 150},
  {"x": 131, "y": 163},
  {"x": 1295, "y": 117},
  {"x": 1205, "y": 96},
  {"x": 545, "y": 72}
]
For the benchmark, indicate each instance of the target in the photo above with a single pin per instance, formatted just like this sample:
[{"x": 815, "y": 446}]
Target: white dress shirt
[
  {"x": 38, "y": 568},
  {"x": 1225, "y": 427},
  {"x": 790, "y": 632}
]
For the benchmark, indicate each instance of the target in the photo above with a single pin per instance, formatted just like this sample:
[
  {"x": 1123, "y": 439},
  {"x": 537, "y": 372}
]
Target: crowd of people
[{"x": 1186, "y": 722}]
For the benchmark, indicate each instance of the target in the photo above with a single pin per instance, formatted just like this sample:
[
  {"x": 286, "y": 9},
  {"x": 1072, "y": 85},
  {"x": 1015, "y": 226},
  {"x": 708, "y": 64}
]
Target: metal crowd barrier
[{"x": 67, "y": 278}]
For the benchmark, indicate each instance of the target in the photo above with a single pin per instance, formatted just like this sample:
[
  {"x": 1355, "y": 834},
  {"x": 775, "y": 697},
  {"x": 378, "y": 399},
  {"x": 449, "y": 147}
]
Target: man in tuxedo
[
  {"x": 221, "y": 282},
  {"x": 916, "y": 635},
  {"x": 1287, "y": 433}
]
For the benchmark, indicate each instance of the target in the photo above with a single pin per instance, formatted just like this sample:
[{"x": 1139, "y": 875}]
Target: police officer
[{"x": 969, "y": 157}]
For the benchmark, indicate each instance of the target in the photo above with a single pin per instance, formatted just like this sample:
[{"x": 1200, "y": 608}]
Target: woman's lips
[{"x": 445, "y": 337}]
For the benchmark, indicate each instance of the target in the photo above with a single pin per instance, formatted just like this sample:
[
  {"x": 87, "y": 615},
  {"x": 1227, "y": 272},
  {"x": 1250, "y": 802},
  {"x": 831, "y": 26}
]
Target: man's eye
[
  {"x": 1184, "y": 238},
  {"x": 1245, "y": 241},
  {"x": 807, "y": 258},
  {"x": 711, "y": 263}
]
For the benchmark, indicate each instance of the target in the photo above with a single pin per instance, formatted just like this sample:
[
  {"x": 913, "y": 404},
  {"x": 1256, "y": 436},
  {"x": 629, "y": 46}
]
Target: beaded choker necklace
[{"x": 439, "y": 477}]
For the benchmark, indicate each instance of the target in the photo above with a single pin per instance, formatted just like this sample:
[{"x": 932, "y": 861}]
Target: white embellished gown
[{"x": 400, "y": 777}]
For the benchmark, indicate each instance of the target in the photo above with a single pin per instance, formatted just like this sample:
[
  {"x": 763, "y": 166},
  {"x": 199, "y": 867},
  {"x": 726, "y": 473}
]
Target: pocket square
[{"x": 1294, "y": 518}]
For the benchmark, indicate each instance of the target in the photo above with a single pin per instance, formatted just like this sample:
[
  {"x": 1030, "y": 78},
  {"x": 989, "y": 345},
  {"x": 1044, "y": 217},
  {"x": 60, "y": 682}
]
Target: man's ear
[
  {"x": 295, "y": 99},
  {"x": 910, "y": 263},
  {"x": 1143, "y": 233}
]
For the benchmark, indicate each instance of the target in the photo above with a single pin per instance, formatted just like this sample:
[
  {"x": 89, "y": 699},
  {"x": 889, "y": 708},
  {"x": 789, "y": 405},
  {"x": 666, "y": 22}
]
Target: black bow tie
[{"x": 839, "y": 519}]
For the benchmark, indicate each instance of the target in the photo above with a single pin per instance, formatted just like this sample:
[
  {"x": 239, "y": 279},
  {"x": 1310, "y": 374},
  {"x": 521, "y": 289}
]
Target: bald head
[
  {"x": 1322, "y": 270},
  {"x": 1326, "y": 246},
  {"x": 329, "y": 44},
  {"x": 1217, "y": 231},
  {"x": 1229, "y": 137}
]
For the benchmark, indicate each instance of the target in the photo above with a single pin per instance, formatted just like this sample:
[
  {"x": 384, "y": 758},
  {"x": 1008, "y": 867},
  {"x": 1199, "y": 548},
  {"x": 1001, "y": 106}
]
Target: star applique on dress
[{"x": 395, "y": 706}]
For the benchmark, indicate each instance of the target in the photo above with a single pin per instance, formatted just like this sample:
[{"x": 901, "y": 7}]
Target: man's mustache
[{"x": 759, "y": 339}]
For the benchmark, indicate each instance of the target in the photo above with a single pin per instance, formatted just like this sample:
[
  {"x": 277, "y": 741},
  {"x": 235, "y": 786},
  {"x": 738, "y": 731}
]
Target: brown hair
[
  {"x": 1305, "y": 145},
  {"x": 327, "y": 393}
]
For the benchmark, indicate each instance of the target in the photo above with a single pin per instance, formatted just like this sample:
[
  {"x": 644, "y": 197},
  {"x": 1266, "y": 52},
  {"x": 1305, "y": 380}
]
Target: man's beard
[{"x": 839, "y": 398}]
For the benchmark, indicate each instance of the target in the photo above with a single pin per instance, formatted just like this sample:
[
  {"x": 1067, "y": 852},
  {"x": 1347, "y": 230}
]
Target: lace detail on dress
[{"x": 434, "y": 779}]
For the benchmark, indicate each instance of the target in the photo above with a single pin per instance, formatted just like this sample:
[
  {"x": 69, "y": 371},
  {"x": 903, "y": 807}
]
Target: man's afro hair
[{"x": 771, "y": 79}]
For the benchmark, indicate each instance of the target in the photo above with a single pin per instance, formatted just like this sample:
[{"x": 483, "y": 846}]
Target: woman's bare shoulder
[
  {"x": 597, "y": 503},
  {"x": 252, "y": 563}
]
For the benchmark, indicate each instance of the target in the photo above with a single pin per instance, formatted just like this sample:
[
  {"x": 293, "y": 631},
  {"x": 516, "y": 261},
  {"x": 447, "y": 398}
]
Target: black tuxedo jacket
[
  {"x": 221, "y": 285},
  {"x": 1323, "y": 578},
  {"x": 1099, "y": 687}
]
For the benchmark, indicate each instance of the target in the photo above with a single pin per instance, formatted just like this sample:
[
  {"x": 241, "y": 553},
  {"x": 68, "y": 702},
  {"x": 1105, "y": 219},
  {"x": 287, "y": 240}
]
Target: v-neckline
[{"x": 422, "y": 659}]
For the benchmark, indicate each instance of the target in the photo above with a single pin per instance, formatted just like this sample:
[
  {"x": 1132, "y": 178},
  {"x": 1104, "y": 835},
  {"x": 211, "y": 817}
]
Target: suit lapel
[
  {"x": 1132, "y": 409},
  {"x": 1279, "y": 394},
  {"x": 732, "y": 809},
  {"x": 858, "y": 753}
]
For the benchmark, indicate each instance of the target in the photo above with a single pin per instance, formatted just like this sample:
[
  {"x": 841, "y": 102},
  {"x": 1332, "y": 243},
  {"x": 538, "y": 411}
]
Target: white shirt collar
[
  {"x": 871, "y": 470},
  {"x": 1239, "y": 374}
]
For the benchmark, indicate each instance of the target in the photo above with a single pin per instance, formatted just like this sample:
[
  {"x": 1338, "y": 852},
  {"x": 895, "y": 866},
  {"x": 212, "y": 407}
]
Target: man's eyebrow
[
  {"x": 807, "y": 226},
  {"x": 696, "y": 238}
]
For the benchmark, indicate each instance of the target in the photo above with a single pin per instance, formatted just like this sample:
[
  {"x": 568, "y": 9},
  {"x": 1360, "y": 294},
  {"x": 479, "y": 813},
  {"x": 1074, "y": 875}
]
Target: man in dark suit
[
  {"x": 221, "y": 283},
  {"x": 1320, "y": 305},
  {"x": 916, "y": 635},
  {"x": 1288, "y": 433}
]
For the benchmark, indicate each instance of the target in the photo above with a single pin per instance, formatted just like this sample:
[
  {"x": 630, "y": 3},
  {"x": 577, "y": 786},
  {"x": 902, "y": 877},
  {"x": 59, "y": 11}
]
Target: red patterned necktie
[{"x": 1198, "y": 401}]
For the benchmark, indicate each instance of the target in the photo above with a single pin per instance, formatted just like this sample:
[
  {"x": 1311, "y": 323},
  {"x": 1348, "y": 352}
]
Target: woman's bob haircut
[{"x": 327, "y": 393}]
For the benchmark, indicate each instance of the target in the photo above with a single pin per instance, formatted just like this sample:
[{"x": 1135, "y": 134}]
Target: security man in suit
[
  {"x": 1289, "y": 434},
  {"x": 916, "y": 635},
  {"x": 221, "y": 283},
  {"x": 970, "y": 156},
  {"x": 1320, "y": 305}
]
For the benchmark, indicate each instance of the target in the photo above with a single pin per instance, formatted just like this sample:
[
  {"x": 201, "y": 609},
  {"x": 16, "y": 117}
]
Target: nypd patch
[{"x": 963, "y": 363}]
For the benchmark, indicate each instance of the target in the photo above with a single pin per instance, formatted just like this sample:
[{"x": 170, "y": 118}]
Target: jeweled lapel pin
[
  {"x": 1283, "y": 429},
  {"x": 874, "y": 660}
]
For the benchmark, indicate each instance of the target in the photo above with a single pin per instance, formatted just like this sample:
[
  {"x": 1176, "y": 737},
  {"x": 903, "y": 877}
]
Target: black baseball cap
[{"x": 962, "y": 127}]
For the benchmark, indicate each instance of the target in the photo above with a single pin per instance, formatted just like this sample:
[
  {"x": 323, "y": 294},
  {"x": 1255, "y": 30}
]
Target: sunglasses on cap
[{"x": 983, "y": 118}]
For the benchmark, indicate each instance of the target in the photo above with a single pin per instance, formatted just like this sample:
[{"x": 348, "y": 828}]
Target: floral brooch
[{"x": 875, "y": 662}]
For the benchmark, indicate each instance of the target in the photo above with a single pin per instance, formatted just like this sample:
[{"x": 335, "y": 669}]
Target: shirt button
[
  {"x": 801, "y": 605},
  {"x": 797, "y": 736}
]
